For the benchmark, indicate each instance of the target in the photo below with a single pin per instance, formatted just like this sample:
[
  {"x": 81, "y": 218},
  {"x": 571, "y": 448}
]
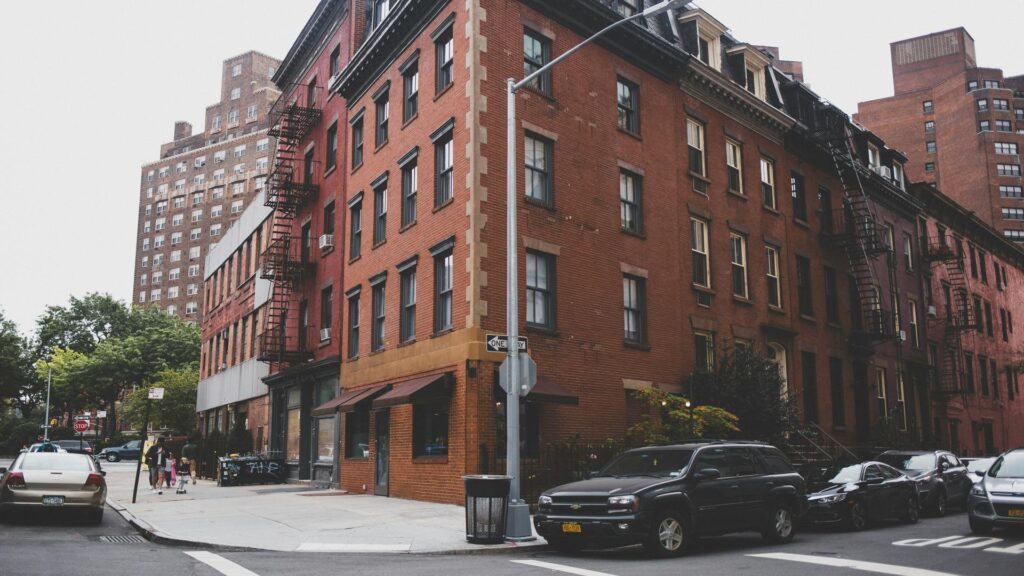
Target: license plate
[
  {"x": 1016, "y": 512},
  {"x": 572, "y": 528},
  {"x": 53, "y": 500}
]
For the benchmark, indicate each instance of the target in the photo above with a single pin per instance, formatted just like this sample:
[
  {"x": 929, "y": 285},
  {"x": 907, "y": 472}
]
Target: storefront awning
[
  {"x": 411, "y": 390},
  {"x": 550, "y": 391},
  {"x": 332, "y": 405},
  {"x": 367, "y": 394}
]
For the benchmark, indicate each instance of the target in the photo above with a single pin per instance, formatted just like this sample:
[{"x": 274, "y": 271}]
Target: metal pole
[
  {"x": 46, "y": 422},
  {"x": 142, "y": 454}
]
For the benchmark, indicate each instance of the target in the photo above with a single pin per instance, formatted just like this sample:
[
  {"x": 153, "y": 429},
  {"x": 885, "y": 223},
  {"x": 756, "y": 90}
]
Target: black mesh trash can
[{"x": 486, "y": 508}]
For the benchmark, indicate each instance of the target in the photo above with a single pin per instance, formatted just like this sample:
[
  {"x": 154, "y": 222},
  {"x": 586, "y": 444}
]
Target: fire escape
[
  {"x": 293, "y": 182},
  {"x": 959, "y": 315}
]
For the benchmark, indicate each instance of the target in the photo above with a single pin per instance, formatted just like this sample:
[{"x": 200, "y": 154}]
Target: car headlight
[
  {"x": 623, "y": 503},
  {"x": 830, "y": 499},
  {"x": 544, "y": 501},
  {"x": 978, "y": 489}
]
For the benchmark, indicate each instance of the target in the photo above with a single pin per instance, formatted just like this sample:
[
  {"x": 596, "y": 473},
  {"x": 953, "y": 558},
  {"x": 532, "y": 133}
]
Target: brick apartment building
[
  {"x": 200, "y": 185},
  {"x": 960, "y": 124},
  {"x": 684, "y": 193}
]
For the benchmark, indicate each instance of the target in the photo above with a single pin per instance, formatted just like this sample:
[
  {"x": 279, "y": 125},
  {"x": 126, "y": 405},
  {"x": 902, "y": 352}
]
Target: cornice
[
  {"x": 298, "y": 57},
  {"x": 735, "y": 102}
]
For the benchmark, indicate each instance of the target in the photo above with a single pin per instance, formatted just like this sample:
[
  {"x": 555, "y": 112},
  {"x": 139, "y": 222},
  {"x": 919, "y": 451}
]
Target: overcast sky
[{"x": 91, "y": 89}]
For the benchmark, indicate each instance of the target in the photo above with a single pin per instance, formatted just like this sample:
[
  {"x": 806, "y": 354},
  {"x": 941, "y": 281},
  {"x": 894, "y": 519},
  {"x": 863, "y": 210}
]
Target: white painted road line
[
  {"x": 333, "y": 547},
  {"x": 853, "y": 564},
  {"x": 562, "y": 568},
  {"x": 221, "y": 564}
]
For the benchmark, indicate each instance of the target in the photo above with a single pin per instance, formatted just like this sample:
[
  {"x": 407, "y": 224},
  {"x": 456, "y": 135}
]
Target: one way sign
[{"x": 499, "y": 343}]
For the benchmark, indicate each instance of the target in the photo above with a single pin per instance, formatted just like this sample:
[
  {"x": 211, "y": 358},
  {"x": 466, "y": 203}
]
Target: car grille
[
  {"x": 1009, "y": 494},
  {"x": 1004, "y": 509},
  {"x": 579, "y": 505}
]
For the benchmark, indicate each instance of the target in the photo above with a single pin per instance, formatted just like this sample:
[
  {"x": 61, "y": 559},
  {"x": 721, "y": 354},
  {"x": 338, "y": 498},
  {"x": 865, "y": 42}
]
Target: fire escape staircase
[
  {"x": 293, "y": 182},
  {"x": 959, "y": 316}
]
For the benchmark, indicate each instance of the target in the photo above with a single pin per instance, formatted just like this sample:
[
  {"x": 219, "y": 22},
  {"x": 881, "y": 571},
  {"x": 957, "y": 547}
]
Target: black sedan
[
  {"x": 860, "y": 493},
  {"x": 941, "y": 477}
]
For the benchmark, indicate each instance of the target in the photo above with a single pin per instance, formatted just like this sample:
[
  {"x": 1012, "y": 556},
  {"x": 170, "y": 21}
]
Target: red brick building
[
  {"x": 961, "y": 125},
  {"x": 200, "y": 185}
]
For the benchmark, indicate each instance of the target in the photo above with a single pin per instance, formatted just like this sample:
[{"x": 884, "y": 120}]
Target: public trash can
[{"x": 486, "y": 508}]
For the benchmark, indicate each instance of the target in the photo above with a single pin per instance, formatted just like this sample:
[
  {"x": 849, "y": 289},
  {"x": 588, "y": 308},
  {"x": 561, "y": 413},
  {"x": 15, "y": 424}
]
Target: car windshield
[
  {"x": 980, "y": 465},
  {"x": 658, "y": 463},
  {"x": 50, "y": 461},
  {"x": 1008, "y": 466},
  {"x": 845, "y": 475},
  {"x": 909, "y": 461}
]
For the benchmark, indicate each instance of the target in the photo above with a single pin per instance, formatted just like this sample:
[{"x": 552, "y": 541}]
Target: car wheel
[
  {"x": 979, "y": 526},
  {"x": 567, "y": 545},
  {"x": 95, "y": 517},
  {"x": 939, "y": 506},
  {"x": 669, "y": 535},
  {"x": 779, "y": 526},
  {"x": 912, "y": 513},
  {"x": 858, "y": 519},
  {"x": 113, "y": 457}
]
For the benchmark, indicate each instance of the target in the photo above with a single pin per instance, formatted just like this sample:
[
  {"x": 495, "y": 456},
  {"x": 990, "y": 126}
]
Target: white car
[{"x": 46, "y": 447}]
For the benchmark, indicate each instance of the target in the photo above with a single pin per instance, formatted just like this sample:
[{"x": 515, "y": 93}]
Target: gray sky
[{"x": 91, "y": 89}]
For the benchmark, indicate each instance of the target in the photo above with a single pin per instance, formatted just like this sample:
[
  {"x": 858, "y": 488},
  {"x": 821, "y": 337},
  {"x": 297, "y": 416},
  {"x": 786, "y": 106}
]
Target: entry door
[{"x": 383, "y": 429}]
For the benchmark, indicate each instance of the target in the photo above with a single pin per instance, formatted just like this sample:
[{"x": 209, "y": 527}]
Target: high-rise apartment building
[
  {"x": 201, "y": 184},
  {"x": 960, "y": 124}
]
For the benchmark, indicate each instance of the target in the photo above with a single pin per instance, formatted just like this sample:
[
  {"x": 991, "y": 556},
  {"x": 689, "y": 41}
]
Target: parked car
[
  {"x": 976, "y": 467},
  {"x": 858, "y": 494},
  {"x": 998, "y": 500},
  {"x": 126, "y": 451},
  {"x": 75, "y": 446},
  {"x": 941, "y": 477},
  {"x": 664, "y": 497},
  {"x": 46, "y": 447},
  {"x": 54, "y": 480}
]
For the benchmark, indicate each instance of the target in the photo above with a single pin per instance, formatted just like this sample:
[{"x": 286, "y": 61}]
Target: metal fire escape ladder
[{"x": 961, "y": 317}]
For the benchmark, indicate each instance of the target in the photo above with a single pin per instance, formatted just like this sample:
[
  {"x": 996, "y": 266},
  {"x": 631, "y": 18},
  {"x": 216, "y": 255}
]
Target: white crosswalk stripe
[
  {"x": 221, "y": 564},
  {"x": 875, "y": 567},
  {"x": 562, "y": 568}
]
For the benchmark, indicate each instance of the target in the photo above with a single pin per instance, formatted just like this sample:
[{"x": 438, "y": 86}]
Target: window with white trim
[
  {"x": 738, "y": 250},
  {"x": 193, "y": 269},
  {"x": 175, "y": 256},
  {"x": 734, "y": 165},
  {"x": 215, "y": 230},
  {"x": 771, "y": 254},
  {"x": 217, "y": 211},
  {"x": 699, "y": 252},
  {"x": 174, "y": 274},
  {"x": 236, "y": 206}
]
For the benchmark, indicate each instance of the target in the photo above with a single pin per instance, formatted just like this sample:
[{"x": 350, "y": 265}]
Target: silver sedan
[{"x": 39, "y": 480}]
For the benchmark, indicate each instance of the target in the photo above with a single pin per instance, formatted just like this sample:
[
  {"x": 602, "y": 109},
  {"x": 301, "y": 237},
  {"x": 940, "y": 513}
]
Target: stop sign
[{"x": 81, "y": 425}]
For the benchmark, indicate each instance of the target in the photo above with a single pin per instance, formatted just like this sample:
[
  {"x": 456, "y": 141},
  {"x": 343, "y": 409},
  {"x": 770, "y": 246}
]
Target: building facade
[
  {"x": 200, "y": 185},
  {"x": 960, "y": 124}
]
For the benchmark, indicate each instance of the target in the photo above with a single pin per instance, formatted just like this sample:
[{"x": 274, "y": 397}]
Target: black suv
[
  {"x": 665, "y": 496},
  {"x": 941, "y": 477}
]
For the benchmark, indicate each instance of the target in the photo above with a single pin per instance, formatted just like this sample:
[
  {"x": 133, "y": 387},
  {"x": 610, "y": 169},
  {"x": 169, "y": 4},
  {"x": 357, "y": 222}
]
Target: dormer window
[
  {"x": 874, "y": 160},
  {"x": 747, "y": 65},
  {"x": 897, "y": 174},
  {"x": 381, "y": 9},
  {"x": 701, "y": 37}
]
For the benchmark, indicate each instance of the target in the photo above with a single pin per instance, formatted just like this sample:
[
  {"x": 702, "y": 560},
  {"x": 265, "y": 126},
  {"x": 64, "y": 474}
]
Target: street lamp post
[
  {"x": 46, "y": 423},
  {"x": 518, "y": 524}
]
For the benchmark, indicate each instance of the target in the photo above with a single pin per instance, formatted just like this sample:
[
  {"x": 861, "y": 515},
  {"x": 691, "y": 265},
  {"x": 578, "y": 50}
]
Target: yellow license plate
[
  {"x": 572, "y": 527},
  {"x": 1014, "y": 512}
]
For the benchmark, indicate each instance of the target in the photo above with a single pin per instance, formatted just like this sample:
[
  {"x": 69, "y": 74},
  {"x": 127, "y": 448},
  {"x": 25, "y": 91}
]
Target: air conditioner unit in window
[
  {"x": 932, "y": 312},
  {"x": 326, "y": 241},
  {"x": 903, "y": 335},
  {"x": 886, "y": 172},
  {"x": 325, "y": 334},
  {"x": 332, "y": 80}
]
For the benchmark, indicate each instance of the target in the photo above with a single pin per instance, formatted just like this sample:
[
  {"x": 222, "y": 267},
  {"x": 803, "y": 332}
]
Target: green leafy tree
[
  {"x": 70, "y": 390},
  {"x": 670, "y": 420},
  {"x": 176, "y": 411},
  {"x": 17, "y": 378},
  {"x": 82, "y": 324}
]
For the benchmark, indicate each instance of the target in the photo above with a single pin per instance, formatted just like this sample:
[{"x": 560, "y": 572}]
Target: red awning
[
  {"x": 363, "y": 395},
  {"x": 404, "y": 392},
  {"x": 332, "y": 404},
  {"x": 550, "y": 391}
]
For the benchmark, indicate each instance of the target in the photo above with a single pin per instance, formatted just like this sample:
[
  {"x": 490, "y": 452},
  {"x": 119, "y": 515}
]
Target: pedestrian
[
  {"x": 189, "y": 452},
  {"x": 155, "y": 462},
  {"x": 184, "y": 472},
  {"x": 167, "y": 472}
]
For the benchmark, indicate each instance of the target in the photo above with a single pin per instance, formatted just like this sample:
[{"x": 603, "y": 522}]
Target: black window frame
[
  {"x": 409, "y": 166},
  {"x": 444, "y": 68},
  {"x": 332, "y": 147},
  {"x": 444, "y": 285},
  {"x": 628, "y": 111},
  {"x": 355, "y": 237},
  {"x": 358, "y": 145},
  {"x": 380, "y": 210},
  {"x": 382, "y": 115},
  {"x": 327, "y": 308},
  {"x": 542, "y": 83},
  {"x": 357, "y": 427},
  {"x": 426, "y": 422},
  {"x": 353, "y": 322},
  {"x": 546, "y": 294},
  {"x": 407, "y": 302},
  {"x": 798, "y": 191},
  {"x": 546, "y": 171},
  {"x": 410, "y": 71},
  {"x": 805, "y": 298},
  {"x": 635, "y": 206},
  {"x": 444, "y": 163},
  {"x": 378, "y": 313},
  {"x": 638, "y": 309}
]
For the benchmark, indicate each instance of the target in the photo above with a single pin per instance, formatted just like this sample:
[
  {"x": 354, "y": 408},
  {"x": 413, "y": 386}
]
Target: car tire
[
  {"x": 858, "y": 517},
  {"x": 913, "y": 511},
  {"x": 779, "y": 526},
  {"x": 979, "y": 526},
  {"x": 939, "y": 506},
  {"x": 113, "y": 457},
  {"x": 566, "y": 545},
  {"x": 669, "y": 535},
  {"x": 95, "y": 517}
]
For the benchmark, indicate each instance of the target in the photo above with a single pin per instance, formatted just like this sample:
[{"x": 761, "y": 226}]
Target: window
[
  {"x": 634, "y": 309},
  {"x": 381, "y": 9},
  {"x": 880, "y": 393},
  {"x": 796, "y": 187},
  {"x": 734, "y": 166},
  {"x": 262, "y": 144},
  {"x": 193, "y": 270},
  {"x": 929, "y": 166},
  {"x": 197, "y": 199},
  {"x": 154, "y": 294},
  {"x": 410, "y": 185},
  {"x": 627, "y": 7},
  {"x": 192, "y": 289},
  {"x": 982, "y": 104},
  {"x": 407, "y": 318},
  {"x": 430, "y": 428},
  {"x": 444, "y": 48},
  {"x": 443, "y": 289},
  {"x": 158, "y": 277},
  {"x": 915, "y": 335},
  {"x": 233, "y": 118},
  {"x": 191, "y": 308},
  {"x": 215, "y": 230},
  {"x": 250, "y": 113},
  {"x": 175, "y": 238},
  {"x": 236, "y": 206},
  {"x": 908, "y": 253},
  {"x": 629, "y": 106},
  {"x": 410, "y": 90},
  {"x": 158, "y": 242},
  {"x": 1003, "y": 126},
  {"x": 328, "y": 227},
  {"x": 161, "y": 223},
  {"x": 738, "y": 249},
  {"x": 142, "y": 279},
  {"x": 929, "y": 147},
  {"x": 699, "y": 250},
  {"x": 357, "y": 434},
  {"x": 1000, "y": 104},
  {"x": 831, "y": 295},
  {"x": 540, "y": 289},
  {"x": 929, "y": 126},
  {"x": 377, "y": 327},
  {"x": 172, "y": 292},
  {"x": 983, "y": 374},
  {"x": 988, "y": 318},
  {"x": 216, "y": 211},
  {"x": 355, "y": 227},
  {"x": 197, "y": 215},
  {"x": 803, "y": 286},
  {"x": 538, "y": 169},
  {"x": 537, "y": 53},
  {"x": 983, "y": 266},
  {"x": 1006, "y": 148},
  {"x": 380, "y": 213},
  {"x": 1013, "y": 213},
  {"x": 383, "y": 107},
  {"x": 444, "y": 177},
  {"x": 835, "y": 371},
  {"x": 768, "y": 183},
  {"x": 984, "y": 126},
  {"x": 771, "y": 254},
  {"x": 630, "y": 205},
  {"x": 357, "y": 141},
  {"x": 695, "y": 144},
  {"x": 353, "y": 324},
  {"x": 142, "y": 296},
  {"x": 332, "y": 148},
  {"x": 263, "y": 163},
  {"x": 927, "y": 106},
  {"x": 145, "y": 261},
  {"x": 704, "y": 351},
  {"x": 335, "y": 62}
]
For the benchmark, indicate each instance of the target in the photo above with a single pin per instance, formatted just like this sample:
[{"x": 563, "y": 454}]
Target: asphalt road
[{"x": 56, "y": 545}]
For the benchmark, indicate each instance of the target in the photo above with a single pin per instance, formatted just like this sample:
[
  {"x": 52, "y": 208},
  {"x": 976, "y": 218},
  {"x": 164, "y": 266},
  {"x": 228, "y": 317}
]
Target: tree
[
  {"x": 82, "y": 324},
  {"x": 750, "y": 386},
  {"x": 176, "y": 411},
  {"x": 70, "y": 390},
  {"x": 674, "y": 422},
  {"x": 16, "y": 374}
]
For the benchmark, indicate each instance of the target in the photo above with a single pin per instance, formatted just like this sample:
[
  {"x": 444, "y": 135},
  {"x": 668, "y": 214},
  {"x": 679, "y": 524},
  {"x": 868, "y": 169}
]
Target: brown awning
[
  {"x": 550, "y": 391},
  {"x": 362, "y": 395},
  {"x": 410, "y": 390},
  {"x": 332, "y": 404}
]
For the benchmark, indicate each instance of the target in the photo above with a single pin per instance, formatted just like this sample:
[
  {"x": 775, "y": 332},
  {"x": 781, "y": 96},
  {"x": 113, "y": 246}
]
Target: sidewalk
[{"x": 291, "y": 518}]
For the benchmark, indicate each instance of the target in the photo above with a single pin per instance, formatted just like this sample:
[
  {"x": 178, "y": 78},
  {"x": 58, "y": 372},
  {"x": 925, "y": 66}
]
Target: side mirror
[
  {"x": 944, "y": 466},
  {"x": 980, "y": 472},
  {"x": 707, "y": 474},
  {"x": 3, "y": 471},
  {"x": 874, "y": 480}
]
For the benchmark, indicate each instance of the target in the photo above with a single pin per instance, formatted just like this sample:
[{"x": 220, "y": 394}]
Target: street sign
[
  {"x": 527, "y": 371},
  {"x": 156, "y": 393},
  {"x": 81, "y": 425},
  {"x": 499, "y": 343},
  {"x": 101, "y": 413}
]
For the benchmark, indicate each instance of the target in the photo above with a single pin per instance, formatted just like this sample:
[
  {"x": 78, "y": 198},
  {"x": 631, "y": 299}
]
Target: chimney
[{"x": 182, "y": 130}]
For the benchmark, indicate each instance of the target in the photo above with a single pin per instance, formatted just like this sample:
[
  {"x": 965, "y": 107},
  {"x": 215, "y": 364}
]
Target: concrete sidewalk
[{"x": 291, "y": 518}]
